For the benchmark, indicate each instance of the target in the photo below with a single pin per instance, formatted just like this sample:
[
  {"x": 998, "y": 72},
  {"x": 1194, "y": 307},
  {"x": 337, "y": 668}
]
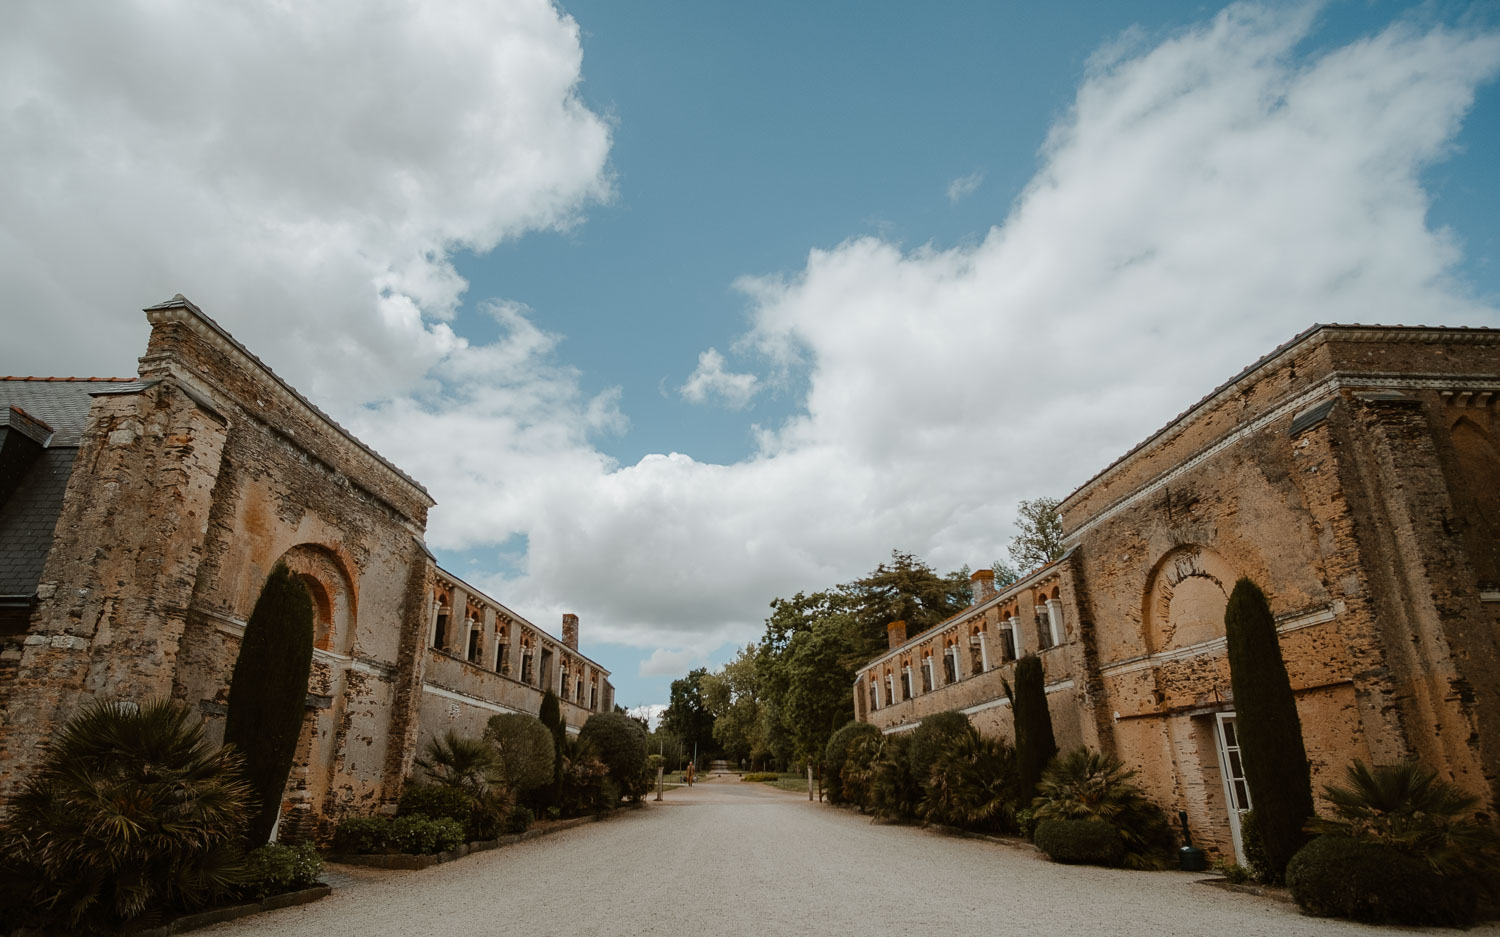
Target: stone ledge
[
  {"x": 409, "y": 863},
  {"x": 190, "y": 922}
]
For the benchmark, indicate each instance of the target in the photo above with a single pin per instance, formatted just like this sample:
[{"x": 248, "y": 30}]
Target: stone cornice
[{"x": 179, "y": 310}]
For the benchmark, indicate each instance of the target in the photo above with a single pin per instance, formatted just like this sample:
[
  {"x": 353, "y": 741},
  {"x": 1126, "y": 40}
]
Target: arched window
[{"x": 927, "y": 678}]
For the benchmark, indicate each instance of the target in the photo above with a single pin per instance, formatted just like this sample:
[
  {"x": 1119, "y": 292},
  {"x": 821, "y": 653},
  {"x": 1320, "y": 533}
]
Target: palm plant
[
  {"x": 132, "y": 814},
  {"x": 894, "y": 793},
  {"x": 1085, "y": 785},
  {"x": 473, "y": 767},
  {"x": 1408, "y": 808},
  {"x": 972, "y": 784},
  {"x": 857, "y": 775}
]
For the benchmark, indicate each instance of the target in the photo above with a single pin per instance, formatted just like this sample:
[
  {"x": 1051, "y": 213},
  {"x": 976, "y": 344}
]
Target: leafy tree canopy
[{"x": 1040, "y": 537}]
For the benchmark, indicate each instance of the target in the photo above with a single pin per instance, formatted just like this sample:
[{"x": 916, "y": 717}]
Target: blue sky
[{"x": 680, "y": 307}]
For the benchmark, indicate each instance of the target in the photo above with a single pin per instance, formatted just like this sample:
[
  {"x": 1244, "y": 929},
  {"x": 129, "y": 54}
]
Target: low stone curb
[
  {"x": 189, "y": 922},
  {"x": 1260, "y": 891},
  {"x": 408, "y": 863}
]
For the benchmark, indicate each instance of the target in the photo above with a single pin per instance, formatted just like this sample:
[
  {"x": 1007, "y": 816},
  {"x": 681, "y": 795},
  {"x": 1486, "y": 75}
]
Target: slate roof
[
  {"x": 61, "y": 402},
  {"x": 29, "y": 516}
]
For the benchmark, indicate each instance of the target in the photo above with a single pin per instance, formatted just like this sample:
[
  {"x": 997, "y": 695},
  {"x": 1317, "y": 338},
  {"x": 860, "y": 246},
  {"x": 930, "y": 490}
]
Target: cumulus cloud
[
  {"x": 710, "y": 379},
  {"x": 305, "y": 170},
  {"x": 665, "y": 663},
  {"x": 1202, "y": 201},
  {"x": 964, "y": 186}
]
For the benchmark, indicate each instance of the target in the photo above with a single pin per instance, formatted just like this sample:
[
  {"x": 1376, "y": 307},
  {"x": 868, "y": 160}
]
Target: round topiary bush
[
  {"x": 526, "y": 751},
  {"x": 1080, "y": 842},
  {"x": 620, "y": 743},
  {"x": 1333, "y": 876},
  {"x": 836, "y": 752}
]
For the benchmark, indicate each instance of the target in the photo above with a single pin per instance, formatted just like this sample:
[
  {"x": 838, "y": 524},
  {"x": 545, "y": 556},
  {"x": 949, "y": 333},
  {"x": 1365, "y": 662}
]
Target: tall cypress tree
[
  {"x": 551, "y": 717},
  {"x": 268, "y": 692},
  {"x": 1035, "y": 744},
  {"x": 1270, "y": 734}
]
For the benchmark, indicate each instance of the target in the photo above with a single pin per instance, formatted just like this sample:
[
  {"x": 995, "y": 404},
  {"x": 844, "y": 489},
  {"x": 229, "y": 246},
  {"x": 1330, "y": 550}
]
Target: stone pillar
[
  {"x": 456, "y": 641},
  {"x": 570, "y": 631},
  {"x": 1055, "y": 616}
]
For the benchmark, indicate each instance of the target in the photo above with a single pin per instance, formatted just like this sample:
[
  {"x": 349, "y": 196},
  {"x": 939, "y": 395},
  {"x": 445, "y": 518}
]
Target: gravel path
[{"x": 727, "y": 858}]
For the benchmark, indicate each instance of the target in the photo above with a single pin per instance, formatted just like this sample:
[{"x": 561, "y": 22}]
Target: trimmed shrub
[
  {"x": 760, "y": 776},
  {"x": 526, "y": 751},
  {"x": 422, "y": 836},
  {"x": 359, "y": 836},
  {"x": 1035, "y": 744},
  {"x": 1080, "y": 842},
  {"x": 277, "y": 868},
  {"x": 834, "y": 754},
  {"x": 131, "y": 812},
  {"x": 621, "y": 744},
  {"x": 415, "y": 835},
  {"x": 928, "y": 740},
  {"x": 1334, "y": 876},
  {"x": 434, "y": 800},
  {"x": 1270, "y": 734},
  {"x": 268, "y": 693},
  {"x": 1085, "y": 785},
  {"x": 519, "y": 819}
]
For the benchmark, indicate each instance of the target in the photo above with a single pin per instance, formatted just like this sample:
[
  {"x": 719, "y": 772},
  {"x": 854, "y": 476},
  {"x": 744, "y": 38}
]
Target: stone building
[
  {"x": 139, "y": 518},
  {"x": 1354, "y": 474}
]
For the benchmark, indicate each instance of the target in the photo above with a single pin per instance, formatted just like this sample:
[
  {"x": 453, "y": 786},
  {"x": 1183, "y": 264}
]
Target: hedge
[
  {"x": 1082, "y": 842},
  {"x": 1333, "y": 876}
]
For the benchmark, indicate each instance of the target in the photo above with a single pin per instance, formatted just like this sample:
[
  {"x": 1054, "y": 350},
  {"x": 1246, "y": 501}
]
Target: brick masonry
[
  {"x": 185, "y": 492},
  {"x": 1354, "y": 474}
]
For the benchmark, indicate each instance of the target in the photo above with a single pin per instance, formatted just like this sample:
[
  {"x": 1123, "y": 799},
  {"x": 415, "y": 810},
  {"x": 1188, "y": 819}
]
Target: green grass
[{"x": 789, "y": 782}]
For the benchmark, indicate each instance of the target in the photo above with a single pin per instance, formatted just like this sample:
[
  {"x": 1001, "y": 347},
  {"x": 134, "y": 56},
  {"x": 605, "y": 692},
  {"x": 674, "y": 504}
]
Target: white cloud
[
  {"x": 663, "y": 663},
  {"x": 710, "y": 379},
  {"x": 965, "y": 186},
  {"x": 302, "y": 170},
  {"x": 1203, "y": 201},
  {"x": 651, "y": 713}
]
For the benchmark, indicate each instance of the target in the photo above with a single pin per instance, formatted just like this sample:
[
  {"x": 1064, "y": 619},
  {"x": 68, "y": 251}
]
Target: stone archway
[
  {"x": 334, "y": 599},
  {"x": 1185, "y": 598}
]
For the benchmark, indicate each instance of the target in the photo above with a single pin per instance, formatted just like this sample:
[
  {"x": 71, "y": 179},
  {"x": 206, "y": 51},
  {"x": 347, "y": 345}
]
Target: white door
[{"x": 1232, "y": 770}]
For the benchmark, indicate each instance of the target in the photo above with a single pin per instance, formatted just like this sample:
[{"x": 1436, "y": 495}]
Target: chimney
[
  {"x": 895, "y": 633},
  {"x": 983, "y": 581},
  {"x": 570, "y": 631}
]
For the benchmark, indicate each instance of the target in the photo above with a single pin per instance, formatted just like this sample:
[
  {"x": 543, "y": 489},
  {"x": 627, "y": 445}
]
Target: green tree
[
  {"x": 819, "y": 673},
  {"x": 550, "y": 715},
  {"x": 904, "y": 589},
  {"x": 268, "y": 692},
  {"x": 733, "y": 696},
  {"x": 1005, "y": 574},
  {"x": 837, "y": 753},
  {"x": 1040, "y": 537},
  {"x": 621, "y": 745},
  {"x": 687, "y": 716},
  {"x": 1270, "y": 734},
  {"x": 1035, "y": 745}
]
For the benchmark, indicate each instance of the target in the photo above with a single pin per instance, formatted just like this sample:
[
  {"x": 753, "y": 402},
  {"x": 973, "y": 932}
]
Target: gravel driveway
[{"x": 727, "y": 858}]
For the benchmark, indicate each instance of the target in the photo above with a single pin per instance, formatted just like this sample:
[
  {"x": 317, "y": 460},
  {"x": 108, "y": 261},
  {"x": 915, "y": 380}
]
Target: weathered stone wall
[
  {"x": 118, "y": 582},
  {"x": 1354, "y": 474}
]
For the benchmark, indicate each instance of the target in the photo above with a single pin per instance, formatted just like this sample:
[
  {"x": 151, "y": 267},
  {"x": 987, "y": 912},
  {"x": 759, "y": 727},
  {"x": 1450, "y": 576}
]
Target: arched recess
[
  {"x": 333, "y": 594},
  {"x": 1185, "y": 598},
  {"x": 1479, "y": 486},
  {"x": 328, "y": 581}
]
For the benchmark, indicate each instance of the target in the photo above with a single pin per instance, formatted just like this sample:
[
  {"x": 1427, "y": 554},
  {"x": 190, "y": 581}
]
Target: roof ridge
[{"x": 75, "y": 380}]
